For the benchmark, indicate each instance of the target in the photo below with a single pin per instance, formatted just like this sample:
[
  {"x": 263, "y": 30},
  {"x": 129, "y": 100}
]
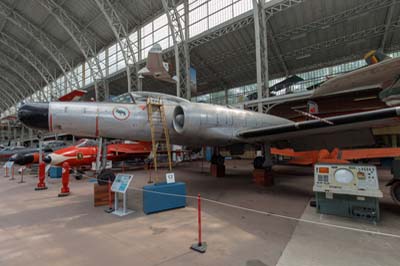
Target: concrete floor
[{"x": 38, "y": 228}]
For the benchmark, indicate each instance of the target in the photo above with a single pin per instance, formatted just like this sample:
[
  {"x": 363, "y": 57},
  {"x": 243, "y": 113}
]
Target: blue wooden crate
[
  {"x": 55, "y": 172},
  {"x": 154, "y": 202}
]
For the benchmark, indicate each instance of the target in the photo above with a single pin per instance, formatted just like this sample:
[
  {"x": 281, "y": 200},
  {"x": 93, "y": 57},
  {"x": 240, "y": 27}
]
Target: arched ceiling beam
[
  {"x": 81, "y": 39},
  {"x": 21, "y": 71},
  {"x": 19, "y": 92},
  {"x": 14, "y": 72},
  {"x": 355, "y": 37},
  {"x": 6, "y": 102},
  {"x": 44, "y": 40},
  {"x": 327, "y": 21},
  {"x": 36, "y": 62},
  {"x": 6, "y": 91},
  {"x": 122, "y": 36}
]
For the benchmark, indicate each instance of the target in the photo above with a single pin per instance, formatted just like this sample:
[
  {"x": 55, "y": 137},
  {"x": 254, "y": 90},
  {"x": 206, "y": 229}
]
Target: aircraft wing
[
  {"x": 356, "y": 154},
  {"x": 379, "y": 75},
  {"x": 309, "y": 134}
]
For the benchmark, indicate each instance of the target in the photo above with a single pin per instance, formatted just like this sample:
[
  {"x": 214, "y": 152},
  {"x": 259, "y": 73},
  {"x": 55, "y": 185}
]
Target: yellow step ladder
[{"x": 156, "y": 118}]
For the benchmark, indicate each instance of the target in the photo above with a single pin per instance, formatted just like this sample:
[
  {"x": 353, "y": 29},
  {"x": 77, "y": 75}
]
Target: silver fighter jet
[{"x": 197, "y": 124}]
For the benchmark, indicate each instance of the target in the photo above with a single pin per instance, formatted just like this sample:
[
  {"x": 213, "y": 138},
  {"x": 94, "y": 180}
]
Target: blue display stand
[
  {"x": 154, "y": 202},
  {"x": 55, "y": 172},
  {"x": 209, "y": 153}
]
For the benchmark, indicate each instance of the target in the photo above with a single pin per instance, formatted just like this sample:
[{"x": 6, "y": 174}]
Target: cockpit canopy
[
  {"x": 86, "y": 143},
  {"x": 142, "y": 96}
]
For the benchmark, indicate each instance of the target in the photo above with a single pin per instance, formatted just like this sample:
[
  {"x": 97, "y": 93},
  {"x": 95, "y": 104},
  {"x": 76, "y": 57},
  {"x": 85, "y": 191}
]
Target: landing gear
[
  {"x": 106, "y": 176},
  {"x": 218, "y": 159},
  {"x": 78, "y": 174},
  {"x": 395, "y": 192},
  {"x": 395, "y": 182},
  {"x": 262, "y": 174},
  {"x": 217, "y": 167},
  {"x": 258, "y": 162}
]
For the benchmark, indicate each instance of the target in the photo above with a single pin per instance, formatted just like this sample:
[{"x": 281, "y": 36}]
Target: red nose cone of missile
[{"x": 35, "y": 115}]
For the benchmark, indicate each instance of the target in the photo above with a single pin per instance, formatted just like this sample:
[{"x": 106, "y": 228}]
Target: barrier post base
[
  {"x": 217, "y": 170},
  {"x": 199, "y": 247},
  {"x": 41, "y": 188},
  {"x": 263, "y": 177},
  {"x": 63, "y": 194},
  {"x": 109, "y": 210}
]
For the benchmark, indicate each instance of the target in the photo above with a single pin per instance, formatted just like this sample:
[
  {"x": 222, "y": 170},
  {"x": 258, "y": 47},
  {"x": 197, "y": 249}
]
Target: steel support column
[
  {"x": 260, "y": 31},
  {"x": 388, "y": 21},
  {"x": 125, "y": 43},
  {"x": 180, "y": 36}
]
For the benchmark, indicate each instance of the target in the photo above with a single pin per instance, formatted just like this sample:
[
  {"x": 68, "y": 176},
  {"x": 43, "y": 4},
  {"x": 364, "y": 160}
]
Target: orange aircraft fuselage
[{"x": 84, "y": 156}]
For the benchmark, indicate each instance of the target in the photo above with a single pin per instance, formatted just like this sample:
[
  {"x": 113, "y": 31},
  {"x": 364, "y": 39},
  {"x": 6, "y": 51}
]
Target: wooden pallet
[{"x": 100, "y": 195}]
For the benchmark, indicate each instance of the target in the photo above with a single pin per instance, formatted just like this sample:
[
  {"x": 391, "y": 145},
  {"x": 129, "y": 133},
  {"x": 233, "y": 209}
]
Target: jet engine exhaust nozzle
[{"x": 178, "y": 119}]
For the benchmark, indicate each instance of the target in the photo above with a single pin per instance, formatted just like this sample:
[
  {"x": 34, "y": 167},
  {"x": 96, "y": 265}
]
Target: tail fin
[{"x": 374, "y": 57}]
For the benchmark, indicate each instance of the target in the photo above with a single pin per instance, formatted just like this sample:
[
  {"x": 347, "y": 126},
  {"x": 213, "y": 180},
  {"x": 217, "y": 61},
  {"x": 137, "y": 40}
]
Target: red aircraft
[
  {"x": 335, "y": 156},
  {"x": 85, "y": 151}
]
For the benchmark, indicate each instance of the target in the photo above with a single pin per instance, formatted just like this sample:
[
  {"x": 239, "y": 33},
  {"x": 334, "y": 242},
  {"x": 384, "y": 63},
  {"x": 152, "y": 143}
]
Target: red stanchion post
[
  {"x": 6, "y": 171},
  {"x": 12, "y": 173},
  {"x": 199, "y": 246},
  {"x": 41, "y": 176},
  {"x": 65, "y": 180}
]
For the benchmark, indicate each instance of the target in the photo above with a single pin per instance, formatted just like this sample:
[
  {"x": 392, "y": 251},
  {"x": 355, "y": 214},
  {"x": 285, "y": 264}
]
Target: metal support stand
[{"x": 121, "y": 211}]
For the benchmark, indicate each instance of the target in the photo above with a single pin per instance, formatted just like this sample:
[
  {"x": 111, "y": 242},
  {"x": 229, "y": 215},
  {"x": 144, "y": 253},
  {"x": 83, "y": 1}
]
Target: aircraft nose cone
[
  {"x": 47, "y": 159},
  {"x": 35, "y": 115}
]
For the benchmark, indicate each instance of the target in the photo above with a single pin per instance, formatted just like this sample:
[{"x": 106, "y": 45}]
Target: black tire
[
  {"x": 258, "y": 162},
  {"x": 395, "y": 192},
  {"x": 105, "y": 177},
  {"x": 218, "y": 159},
  {"x": 214, "y": 159},
  {"x": 78, "y": 177}
]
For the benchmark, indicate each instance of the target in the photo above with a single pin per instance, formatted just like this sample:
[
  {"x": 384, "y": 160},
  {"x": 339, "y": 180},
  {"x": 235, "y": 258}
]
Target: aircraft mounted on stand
[
  {"x": 197, "y": 124},
  {"x": 381, "y": 72}
]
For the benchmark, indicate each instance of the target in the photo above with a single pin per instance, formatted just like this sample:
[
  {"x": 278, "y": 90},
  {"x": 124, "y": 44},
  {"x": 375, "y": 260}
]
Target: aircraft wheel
[
  {"x": 258, "y": 162},
  {"x": 105, "y": 176},
  {"x": 218, "y": 159},
  {"x": 395, "y": 192}
]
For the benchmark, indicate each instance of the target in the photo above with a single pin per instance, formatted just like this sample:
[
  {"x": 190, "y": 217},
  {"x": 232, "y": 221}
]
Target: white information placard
[
  {"x": 121, "y": 183},
  {"x": 8, "y": 164},
  {"x": 170, "y": 178}
]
